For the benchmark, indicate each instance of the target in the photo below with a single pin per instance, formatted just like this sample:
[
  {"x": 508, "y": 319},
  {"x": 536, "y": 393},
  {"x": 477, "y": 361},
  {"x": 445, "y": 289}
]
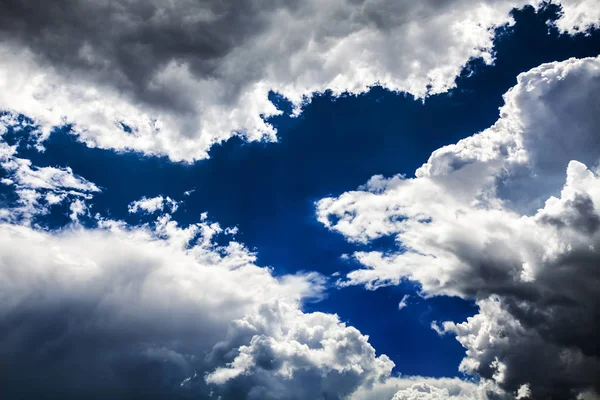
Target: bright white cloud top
[
  {"x": 495, "y": 217},
  {"x": 173, "y": 78}
]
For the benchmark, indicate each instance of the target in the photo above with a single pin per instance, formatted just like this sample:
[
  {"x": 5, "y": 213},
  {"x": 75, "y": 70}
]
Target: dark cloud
[
  {"x": 183, "y": 75},
  {"x": 533, "y": 271},
  {"x": 581, "y": 216},
  {"x": 126, "y": 43}
]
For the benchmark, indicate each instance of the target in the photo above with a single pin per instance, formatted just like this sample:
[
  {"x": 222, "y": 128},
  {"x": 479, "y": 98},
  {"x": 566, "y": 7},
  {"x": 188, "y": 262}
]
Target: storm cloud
[
  {"x": 495, "y": 218},
  {"x": 173, "y": 78}
]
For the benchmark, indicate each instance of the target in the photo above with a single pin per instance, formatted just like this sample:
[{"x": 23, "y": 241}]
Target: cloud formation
[
  {"x": 155, "y": 310},
  {"x": 131, "y": 312},
  {"x": 494, "y": 217},
  {"x": 173, "y": 78},
  {"x": 424, "y": 388},
  {"x": 36, "y": 189},
  {"x": 153, "y": 204},
  {"x": 99, "y": 308}
]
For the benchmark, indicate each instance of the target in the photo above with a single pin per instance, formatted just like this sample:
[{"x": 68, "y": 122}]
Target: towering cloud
[
  {"x": 175, "y": 77},
  {"x": 496, "y": 218},
  {"x": 159, "y": 311}
]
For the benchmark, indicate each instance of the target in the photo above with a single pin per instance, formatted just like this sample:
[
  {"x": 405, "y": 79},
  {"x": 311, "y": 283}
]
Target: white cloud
[
  {"x": 404, "y": 302},
  {"x": 162, "y": 310},
  {"x": 494, "y": 215},
  {"x": 122, "y": 294},
  {"x": 153, "y": 204},
  {"x": 37, "y": 188},
  {"x": 310, "y": 355},
  {"x": 185, "y": 79},
  {"x": 424, "y": 388},
  {"x": 77, "y": 207},
  {"x": 524, "y": 392},
  {"x": 424, "y": 391},
  {"x": 579, "y": 16},
  {"x": 588, "y": 395}
]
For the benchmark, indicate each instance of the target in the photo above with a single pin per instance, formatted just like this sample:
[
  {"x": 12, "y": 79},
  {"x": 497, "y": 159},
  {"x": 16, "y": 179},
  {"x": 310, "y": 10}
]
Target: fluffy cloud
[
  {"x": 578, "y": 16},
  {"x": 494, "y": 218},
  {"x": 423, "y": 391},
  {"x": 160, "y": 311},
  {"x": 36, "y": 189},
  {"x": 423, "y": 388},
  {"x": 155, "y": 310},
  {"x": 118, "y": 310},
  {"x": 173, "y": 78},
  {"x": 153, "y": 204},
  {"x": 290, "y": 354}
]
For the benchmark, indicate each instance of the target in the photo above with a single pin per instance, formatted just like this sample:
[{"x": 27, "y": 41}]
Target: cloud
[
  {"x": 424, "y": 391},
  {"x": 153, "y": 204},
  {"x": 159, "y": 310},
  {"x": 174, "y": 78},
  {"x": 156, "y": 310},
  {"x": 289, "y": 354},
  {"x": 424, "y": 388},
  {"x": 36, "y": 189},
  {"x": 494, "y": 217},
  {"x": 578, "y": 16},
  {"x": 404, "y": 302},
  {"x": 524, "y": 392},
  {"x": 117, "y": 310}
]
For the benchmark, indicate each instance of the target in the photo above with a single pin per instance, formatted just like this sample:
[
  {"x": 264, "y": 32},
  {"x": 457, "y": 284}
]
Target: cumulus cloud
[
  {"x": 424, "y": 388},
  {"x": 289, "y": 354},
  {"x": 173, "y": 78},
  {"x": 153, "y": 204},
  {"x": 117, "y": 309},
  {"x": 159, "y": 310},
  {"x": 423, "y": 391},
  {"x": 496, "y": 218},
  {"x": 578, "y": 16}
]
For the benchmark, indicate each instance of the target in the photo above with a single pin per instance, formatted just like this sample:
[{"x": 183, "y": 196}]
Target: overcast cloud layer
[
  {"x": 509, "y": 217},
  {"x": 173, "y": 78}
]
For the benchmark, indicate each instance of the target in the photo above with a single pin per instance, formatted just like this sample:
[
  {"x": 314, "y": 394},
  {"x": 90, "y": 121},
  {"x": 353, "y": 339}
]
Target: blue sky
[{"x": 270, "y": 190}]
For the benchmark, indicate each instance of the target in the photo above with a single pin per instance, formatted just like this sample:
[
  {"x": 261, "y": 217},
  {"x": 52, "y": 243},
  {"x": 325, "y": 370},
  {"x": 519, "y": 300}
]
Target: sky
[{"x": 321, "y": 200}]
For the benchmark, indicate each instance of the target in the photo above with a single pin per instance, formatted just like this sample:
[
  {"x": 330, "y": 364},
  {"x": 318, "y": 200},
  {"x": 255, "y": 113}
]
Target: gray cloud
[
  {"x": 493, "y": 218},
  {"x": 130, "y": 312},
  {"x": 183, "y": 75}
]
